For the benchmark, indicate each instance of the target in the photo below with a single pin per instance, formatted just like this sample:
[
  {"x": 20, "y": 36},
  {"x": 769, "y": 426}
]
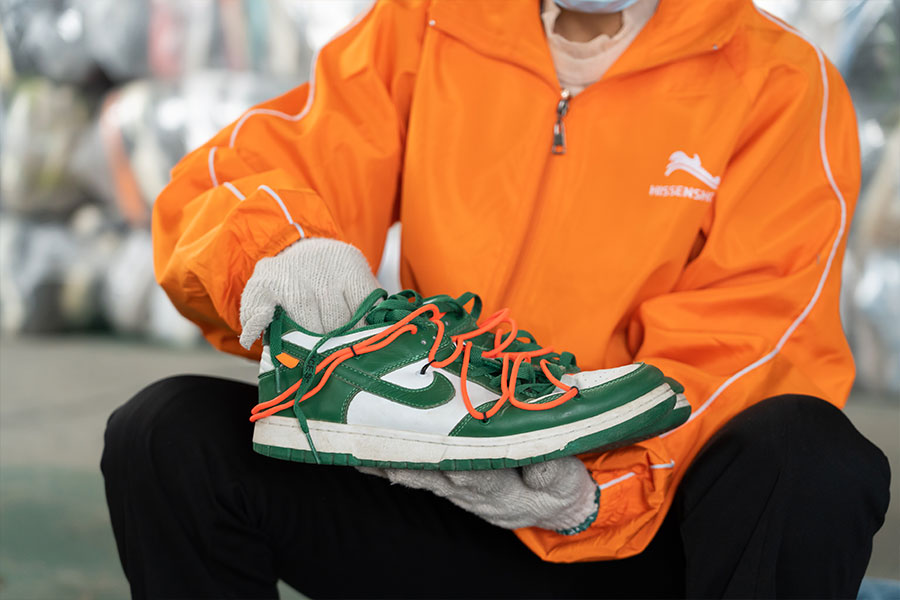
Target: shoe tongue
[
  {"x": 459, "y": 323},
  {"x": 457, "y": 318},
  {"x": 393, "y": 308}
]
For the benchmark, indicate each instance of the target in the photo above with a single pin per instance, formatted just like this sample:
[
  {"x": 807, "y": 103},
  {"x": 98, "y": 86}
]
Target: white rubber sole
[{"x": 377, "y": 444}]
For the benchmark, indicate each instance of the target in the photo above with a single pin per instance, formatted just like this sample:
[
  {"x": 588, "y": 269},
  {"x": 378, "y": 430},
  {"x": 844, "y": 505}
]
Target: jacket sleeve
[
  {"x": 755, "y": 314},
  {"x": 323, "y": 160}
]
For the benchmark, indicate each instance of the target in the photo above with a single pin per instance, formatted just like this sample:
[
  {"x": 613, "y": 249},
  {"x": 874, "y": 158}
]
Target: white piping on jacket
[
  {"x": 312, "y": 85},
  {"x": 828, "y": 263},
  {"x": 281, "y": 115},
  {"x": 235, "y": 191},
  {"x": 211, "y": 162},
  {"x": 630, "y": 474},
  {"x": 668, "y": 465},
  {"x": 284, "y": 209},
  {"x": 231, "y": 187},
  {"x": 823, "y": 152},
  {"x": 613, "y": 482}
]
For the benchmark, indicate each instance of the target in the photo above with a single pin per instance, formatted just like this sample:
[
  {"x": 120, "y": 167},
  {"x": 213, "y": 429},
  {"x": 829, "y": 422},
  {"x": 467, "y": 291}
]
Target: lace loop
[{"x": 507, "y": 359}]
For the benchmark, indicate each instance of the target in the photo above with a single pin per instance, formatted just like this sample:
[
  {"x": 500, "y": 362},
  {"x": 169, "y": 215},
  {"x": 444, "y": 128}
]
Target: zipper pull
[{"x": 559, "y": 128}]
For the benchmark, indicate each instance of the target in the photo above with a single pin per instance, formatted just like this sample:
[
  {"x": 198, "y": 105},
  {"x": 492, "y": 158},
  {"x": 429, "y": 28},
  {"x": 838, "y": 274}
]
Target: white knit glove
[
  {"x": 319, "y": 282},
  {"x": 558, "y": 494}
]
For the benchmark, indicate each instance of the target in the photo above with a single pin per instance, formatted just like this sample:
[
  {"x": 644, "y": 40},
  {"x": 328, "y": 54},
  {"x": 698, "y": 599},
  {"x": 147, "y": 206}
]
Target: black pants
[{"x": 784, "y": 501}]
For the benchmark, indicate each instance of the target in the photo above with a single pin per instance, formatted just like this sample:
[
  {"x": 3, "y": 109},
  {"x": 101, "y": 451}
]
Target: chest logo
[{"x": 680, "y": 161}]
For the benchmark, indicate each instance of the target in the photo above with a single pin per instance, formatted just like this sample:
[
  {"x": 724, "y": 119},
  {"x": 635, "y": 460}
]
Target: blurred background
[{"x": 100, "y": 98}]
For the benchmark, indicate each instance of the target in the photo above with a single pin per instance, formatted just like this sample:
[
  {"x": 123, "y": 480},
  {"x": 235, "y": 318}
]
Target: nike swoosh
[
  {"x": 368, "y": 408},
  {"x": 437, "y": 391}
]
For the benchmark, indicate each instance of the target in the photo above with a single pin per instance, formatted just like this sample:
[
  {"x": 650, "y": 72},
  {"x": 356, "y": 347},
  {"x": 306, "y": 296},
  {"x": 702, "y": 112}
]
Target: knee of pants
[
  {"x": 814, "y": 442},
  {"x": 160, "y": 411}
]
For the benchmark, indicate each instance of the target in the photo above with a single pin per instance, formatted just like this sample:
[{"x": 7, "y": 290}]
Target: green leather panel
[
  {"x": 363, "y": 372},
  {"x": 328, "y": 405},
  {"x": 676, "y": 387},
  {"x": 589, "y": 403}
]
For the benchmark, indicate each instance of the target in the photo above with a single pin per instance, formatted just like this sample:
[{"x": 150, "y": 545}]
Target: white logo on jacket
[{"x": 680, "y": 161}]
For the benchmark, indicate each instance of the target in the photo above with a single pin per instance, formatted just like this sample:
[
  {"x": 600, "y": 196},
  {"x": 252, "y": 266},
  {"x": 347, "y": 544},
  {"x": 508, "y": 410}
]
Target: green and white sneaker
[
  {"x": 681, "y": 412},
  {"x": 420, "y": 385}
]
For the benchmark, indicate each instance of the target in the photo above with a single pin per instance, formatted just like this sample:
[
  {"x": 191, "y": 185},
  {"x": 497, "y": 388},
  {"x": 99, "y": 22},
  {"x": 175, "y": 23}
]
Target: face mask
[{"x": 595, "y": 6}]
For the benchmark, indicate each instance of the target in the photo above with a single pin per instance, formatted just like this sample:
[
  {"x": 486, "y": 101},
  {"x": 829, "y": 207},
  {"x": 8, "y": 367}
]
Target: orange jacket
[{"x": 696, "y": 221}]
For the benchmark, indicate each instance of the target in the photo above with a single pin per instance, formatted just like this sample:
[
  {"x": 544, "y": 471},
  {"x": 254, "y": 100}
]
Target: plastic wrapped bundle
[
  {"x": 51, "y": 274},
  {"x": 170, "y": 38},
  {"x": 867, "y": 52},
  {"x": 877, "y": 298},
  {"x": 167, "y": 325},
  {"x": 85, "y": 273},
  {"x": 875, "y": 302},
  {"x": 47, "y": 37},
  {"x": 118, "y": 36},
  {"x": 146, "y": 126},
  {"x": 32, "y": 259},
  {"x": 7, "y": 72},
  {"x": 42, "y": 126},
  {"x": 128, "y": 283},
  {"x": 68, "y": 40},
  {"x": 132, "y": 302},
  {"x": 869, "y": 58}
]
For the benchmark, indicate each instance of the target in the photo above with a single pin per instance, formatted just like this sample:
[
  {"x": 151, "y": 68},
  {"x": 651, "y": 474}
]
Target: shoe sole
[
  {"x": 668, "y": 421},
  {"x": 362, "y": 445}
]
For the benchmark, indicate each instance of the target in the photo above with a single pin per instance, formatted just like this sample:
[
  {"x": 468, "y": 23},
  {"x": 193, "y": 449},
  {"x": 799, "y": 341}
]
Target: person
[{"x": 667, "y": 182}]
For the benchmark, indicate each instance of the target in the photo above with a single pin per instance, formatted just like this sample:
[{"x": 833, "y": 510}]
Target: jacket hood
[{"x": 512, "y": 30}]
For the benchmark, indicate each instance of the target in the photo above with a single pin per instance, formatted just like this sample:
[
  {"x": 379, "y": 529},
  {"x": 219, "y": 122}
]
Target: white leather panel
[
  {"x": 588, "y": 379},
  {"x": 265, "y": 362},
  {"x": 369, "y": 409},
  {"x": 411, "y": 376},
  {"x": 308, "y": 341}
]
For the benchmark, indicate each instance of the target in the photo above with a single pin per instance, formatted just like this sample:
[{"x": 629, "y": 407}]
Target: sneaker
[
  {"x": 421, "y": 385},
  {"x": 676, "y": 417},
  {"x": 681, "y": 412}
]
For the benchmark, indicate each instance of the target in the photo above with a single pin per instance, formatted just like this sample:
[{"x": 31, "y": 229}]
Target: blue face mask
[{"x": 595, "y": 6}]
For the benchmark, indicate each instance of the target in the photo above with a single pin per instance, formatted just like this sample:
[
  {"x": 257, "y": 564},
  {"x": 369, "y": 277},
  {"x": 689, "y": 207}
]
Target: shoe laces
[{"x": 481, "y": 349}]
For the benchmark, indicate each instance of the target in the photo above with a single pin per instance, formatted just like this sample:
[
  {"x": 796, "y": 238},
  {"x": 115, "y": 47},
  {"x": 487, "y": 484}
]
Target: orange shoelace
[{"x": 511, "y": 363}]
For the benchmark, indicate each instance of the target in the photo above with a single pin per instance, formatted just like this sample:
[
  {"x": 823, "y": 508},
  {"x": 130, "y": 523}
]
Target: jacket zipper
[{"x": 559, "y": 128}]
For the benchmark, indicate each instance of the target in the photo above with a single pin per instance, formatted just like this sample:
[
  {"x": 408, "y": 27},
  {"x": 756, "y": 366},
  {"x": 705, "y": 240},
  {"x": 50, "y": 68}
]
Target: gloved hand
[
  {"x": 319, "y": 282},
  {"x": 558, "y": 494}
]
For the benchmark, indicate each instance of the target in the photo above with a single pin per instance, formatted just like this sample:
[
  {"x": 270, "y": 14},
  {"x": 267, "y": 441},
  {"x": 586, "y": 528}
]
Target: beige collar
[{"x": 579, "y": 64}]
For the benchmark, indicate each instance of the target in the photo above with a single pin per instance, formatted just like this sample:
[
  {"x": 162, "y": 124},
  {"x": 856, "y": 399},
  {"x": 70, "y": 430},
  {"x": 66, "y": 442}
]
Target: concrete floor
[{"x": 55, "y": 396}]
